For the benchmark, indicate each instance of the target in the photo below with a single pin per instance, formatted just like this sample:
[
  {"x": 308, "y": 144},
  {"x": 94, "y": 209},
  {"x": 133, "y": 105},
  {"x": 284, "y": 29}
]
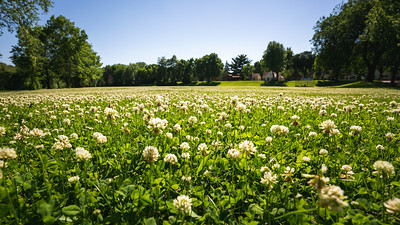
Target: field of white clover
[{"x": 200, "y": 156}]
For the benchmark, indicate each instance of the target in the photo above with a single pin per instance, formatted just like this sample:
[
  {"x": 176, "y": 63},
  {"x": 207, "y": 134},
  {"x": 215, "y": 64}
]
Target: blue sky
[{"x": 129, "y": 31}]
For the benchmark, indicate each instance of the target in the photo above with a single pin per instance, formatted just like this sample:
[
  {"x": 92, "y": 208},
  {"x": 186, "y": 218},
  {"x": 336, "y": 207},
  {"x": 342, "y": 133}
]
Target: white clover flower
[
  {"x": 324, "y": 169},
  {"x": 184, "y": 146},
  {"x": 269, "y": 179},
  {"x": 335, "y": 132},
  {"x": 192, "y": 120},
  {"x": 347, "y": 168},
  {"x": 241, "y": 107},
  {"x": 355, "y": 130},
  {"x": 276, "y": 166},
  {"x": 39, "y": 146},
  {"x": 2, "y": 131},
  {"x": 171, "y": 158},
  {"x": 219, "y": 133},
  {"x": 157, "y": 125},
  {"x": 233, "y": 153},
  {"x": 380, "y": 147},
  {"x": 328, "y": 126},
  {"x": 74, "y": 136},
  {"x": 186, "y": 178},
  {"x": 389, "y": 118},
  {"x": 190, "y": 138},
  {"x": 332, "y": 196},
  {"x": 222, "y": 116},
  {"x": 383, "y": 168},
  {"x": 202, "y": 148},
  {"x": 392, "y": 205},
  {"x": 208, "y": 131},
  {"x": 82, "y": 154},
  {"x": 268, "y": 140},
  {"x": 36, "y": 132},
  {"x": 185, "y": 155},
  {"x": 169, "y": 135},
  {"x": 334, "y": 115},
  {"x": 264, "y": 169},
  {"x": 150, "y": 154},
  {"x": 183, "y": 204},
  {"x": 279, "y": 130},
  {"x": 8, "y": 153},
  {"x": 247, "y": 147},
  {"x": 323, "y": 152},
  {"x": 322, "y": 112},
  {"x": 306, "y": 159},
  {"x": 295, "y": 117},
  {"x": 177, "y": 127},
  {"x": 389, "y": 136},
  {"x": 110, "y": 113},
  {"x": 312, "y": 134},
  {"x": 73, "y": 179},
  {"x": 263, "y": 156},
  {"x": 67, "y": 121},
  {"x": 280, "y": 108},
  {"x": 3, "y": 164}
]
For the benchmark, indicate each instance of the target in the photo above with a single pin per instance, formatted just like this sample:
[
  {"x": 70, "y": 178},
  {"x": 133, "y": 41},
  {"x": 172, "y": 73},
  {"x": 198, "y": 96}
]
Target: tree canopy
[
  {"x": 238, "y": 64},
  {"x": 274, "y": 57},
  {"x": 57, "y": 53},
  {"x": 21, "y": 13},
  {"x": 358, "y": 30}
]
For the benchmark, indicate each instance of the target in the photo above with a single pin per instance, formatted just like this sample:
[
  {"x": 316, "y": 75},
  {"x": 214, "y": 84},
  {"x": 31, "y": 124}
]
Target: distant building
[
  {"x": 268, "y": 76},
  {"x": 231, "y": 77},
  {"x": 255, "y": 76}
]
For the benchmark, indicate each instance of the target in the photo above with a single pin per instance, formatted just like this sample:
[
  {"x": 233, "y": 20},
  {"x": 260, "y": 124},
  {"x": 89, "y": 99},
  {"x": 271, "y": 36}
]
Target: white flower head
[
  {"x": 150, "y": 154},
  {"x": 82, "y": 154},
  {"x": 392, "y": 205},
  {"x": 247, "y": 147},
  {"x": 171, "y": 158},
  {"x": 183, "y": 204}
]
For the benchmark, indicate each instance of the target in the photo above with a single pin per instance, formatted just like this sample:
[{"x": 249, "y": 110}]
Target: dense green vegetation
[{"x": 200, "y": 155}]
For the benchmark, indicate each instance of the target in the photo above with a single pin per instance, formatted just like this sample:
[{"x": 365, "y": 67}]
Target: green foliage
[
  {"x": 55, "y": 54},
  {"x": 274, "y": 57},
  {"x": 15, "y": 14},
  {"x": 208, "y": 67},
  {"x": 240, "y": 65},
  {"x": 118, "y": 184},
  {"x": 359, "y": 30}
]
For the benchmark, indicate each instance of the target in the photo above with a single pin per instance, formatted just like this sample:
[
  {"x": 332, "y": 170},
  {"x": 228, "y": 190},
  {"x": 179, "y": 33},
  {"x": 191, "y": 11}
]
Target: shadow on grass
[
  {"x": 205, "y": 83},
  {"x": 274, "y": 83},
  {"x": 365, "y": 84}
]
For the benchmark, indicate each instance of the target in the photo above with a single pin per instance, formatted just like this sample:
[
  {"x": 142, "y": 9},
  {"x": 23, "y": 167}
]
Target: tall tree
[
  {"x": 274, "y": 57},
  {"x": 57, "y": 52},
  {"x": 15, "y": 14},
  {"x": 238, "y": 64},
  {"x": 383, "y": 28},
  {"x": 209, "y": 67},
  {"x": 366, "y": 29},
  {"x": 28, "y": 57},
  {"x": 303, "y": 62}
]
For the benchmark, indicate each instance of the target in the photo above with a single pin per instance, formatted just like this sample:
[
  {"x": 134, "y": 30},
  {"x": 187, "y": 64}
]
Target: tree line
[{"x": 359, "y": 37}]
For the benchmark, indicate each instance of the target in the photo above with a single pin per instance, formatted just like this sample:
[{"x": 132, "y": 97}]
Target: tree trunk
[
  {"x": 371, "y": 73},
  {"x": 393, "y": 72}
]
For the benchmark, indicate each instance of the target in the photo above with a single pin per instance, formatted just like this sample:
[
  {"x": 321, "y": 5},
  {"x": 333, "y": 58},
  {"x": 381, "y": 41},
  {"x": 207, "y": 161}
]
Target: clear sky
[{"x": 129, "y": 31}]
